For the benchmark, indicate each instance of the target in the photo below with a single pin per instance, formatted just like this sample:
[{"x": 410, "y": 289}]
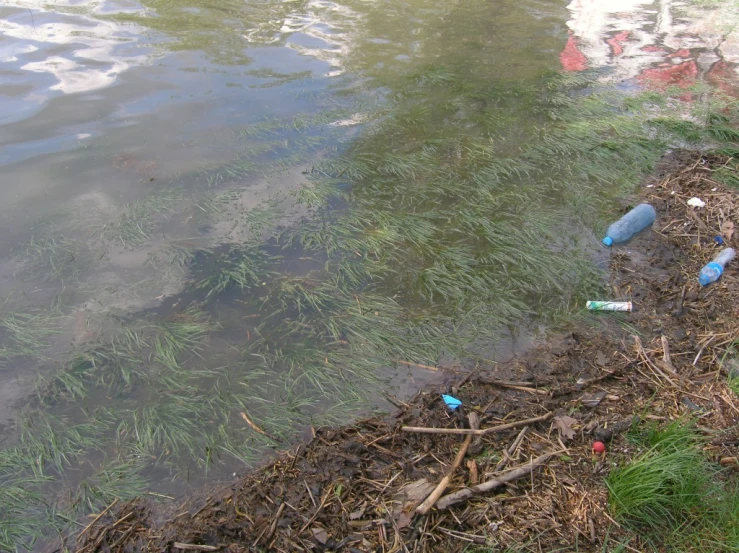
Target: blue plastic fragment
[
  {"x": 719, "y": 240},
  {"x": 451, "y": 402}
]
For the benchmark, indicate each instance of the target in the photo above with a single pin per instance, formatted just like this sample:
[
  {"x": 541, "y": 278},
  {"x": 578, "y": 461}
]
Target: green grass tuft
[
  {"x": 664, "y": 485},
  {"x": 671, "y": 494}
]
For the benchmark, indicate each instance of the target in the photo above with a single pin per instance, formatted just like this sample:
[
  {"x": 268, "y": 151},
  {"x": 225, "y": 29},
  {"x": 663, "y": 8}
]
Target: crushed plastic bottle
[
  {"x": 636, "y": 220},
  {"x": 713, "y": 270}
]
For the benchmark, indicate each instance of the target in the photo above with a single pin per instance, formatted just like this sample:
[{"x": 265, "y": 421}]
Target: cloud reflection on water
[{"x": 80, "y": 52}]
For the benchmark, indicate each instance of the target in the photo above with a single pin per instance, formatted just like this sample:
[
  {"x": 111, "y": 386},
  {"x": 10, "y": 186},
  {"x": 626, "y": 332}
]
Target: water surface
[{"x": 224, "y": 222}]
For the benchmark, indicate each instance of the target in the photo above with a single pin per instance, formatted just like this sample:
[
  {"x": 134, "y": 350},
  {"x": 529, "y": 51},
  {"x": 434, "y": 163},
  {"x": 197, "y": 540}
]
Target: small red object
[{"x": 599, "y": 447}]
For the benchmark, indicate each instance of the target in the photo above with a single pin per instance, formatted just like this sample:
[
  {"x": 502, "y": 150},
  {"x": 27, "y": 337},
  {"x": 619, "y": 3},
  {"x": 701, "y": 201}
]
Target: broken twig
[
  {"x": 494, "y": 483},
  {"x": 195, "y": 547},
  {"x": 429, "y": 502},
  {"x": 511, "y": 450},
  {"x": 256, "y": 428},
  {"x": 649, "y": 363},
  {"x": 87, "y": 528},
  {"x": 483, "y": 432},
  {"x": 520, "y": 386}
]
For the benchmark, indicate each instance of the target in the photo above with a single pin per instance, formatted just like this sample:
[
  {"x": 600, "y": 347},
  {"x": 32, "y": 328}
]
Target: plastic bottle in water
[
  {"x": 636, "y": 220},
  {"x": 713, "y": 270}
]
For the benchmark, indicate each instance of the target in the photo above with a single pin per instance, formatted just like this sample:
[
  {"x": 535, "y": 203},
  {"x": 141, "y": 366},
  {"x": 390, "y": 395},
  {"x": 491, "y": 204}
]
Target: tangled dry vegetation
[{"x": 528, "y": 479}]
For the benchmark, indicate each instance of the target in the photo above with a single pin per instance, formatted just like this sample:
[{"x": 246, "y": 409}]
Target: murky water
[{"x": 224, "y": 222}]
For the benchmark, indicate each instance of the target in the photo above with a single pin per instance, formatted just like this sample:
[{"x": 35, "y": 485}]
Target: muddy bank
[{"x": 359, "y": 487}]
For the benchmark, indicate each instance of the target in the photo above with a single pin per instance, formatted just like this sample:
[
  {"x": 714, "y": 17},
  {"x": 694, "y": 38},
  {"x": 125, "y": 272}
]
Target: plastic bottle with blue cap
[
  {"x": 636, "y": 220},
  {"x": 713, "y": 270}
]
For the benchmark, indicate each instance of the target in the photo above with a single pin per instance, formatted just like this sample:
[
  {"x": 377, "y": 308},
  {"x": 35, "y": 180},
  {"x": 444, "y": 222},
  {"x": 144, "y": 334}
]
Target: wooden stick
[
  {"x": 124, "y": 537},
  {"x": 419, "y": 365},
  {"x": 465, "y": 431},
  {"x": 316, "y": 513},
  {"x": 256, "y": 428},
  {"x": 87, "y": 528},
  {"x": 273, "y": 526},
  {"x": 539, "y": 391},
  {"x": 195, "y": 547},
  {"x": 123, "y": 518},
  {"x": 511, "y": 450},
  {"x": 666, "y": 351},
  {"x": 441, "y": 487},
  {"x": 520, "y": 386},
  {"x": 494, "y": 483},
  {"x": 252, "y": 424},
  {"x": 700, "y": 352},
  {"x": 565, "y": 390},
  {"x": 504, "y": 383},
  {"x": 666, "y": 362},
  {"x": 654, "y": 368},
  {"x": 472, "y": 467},
  {"x": 398, "y": 537}
]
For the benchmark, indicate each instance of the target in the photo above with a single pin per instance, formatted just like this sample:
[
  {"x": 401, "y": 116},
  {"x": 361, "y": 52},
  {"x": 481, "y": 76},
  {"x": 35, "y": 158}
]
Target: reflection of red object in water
[
  {"x": 616, "y": 41},
  {"x": 652, "y": 49},
  {"x": 722, "y": 75},
  {"x": 571, "y": 57},
  {"x": 681, "y": 75},
  {"x": 684, "y": 53}
]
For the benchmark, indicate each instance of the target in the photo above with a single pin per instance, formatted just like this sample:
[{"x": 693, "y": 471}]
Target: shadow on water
[{"x": 193, "y": 323}]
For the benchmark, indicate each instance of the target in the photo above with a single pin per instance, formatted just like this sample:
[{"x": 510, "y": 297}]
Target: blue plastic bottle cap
[
  {"x": 705, "y": 280},
  {"x": 608, "y": 241}
]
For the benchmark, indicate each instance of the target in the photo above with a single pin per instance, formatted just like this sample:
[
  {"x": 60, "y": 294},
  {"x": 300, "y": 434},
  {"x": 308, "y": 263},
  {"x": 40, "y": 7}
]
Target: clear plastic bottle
[
  {"x": 713, "y": 270},
  {"x": 636, "y": 220}
]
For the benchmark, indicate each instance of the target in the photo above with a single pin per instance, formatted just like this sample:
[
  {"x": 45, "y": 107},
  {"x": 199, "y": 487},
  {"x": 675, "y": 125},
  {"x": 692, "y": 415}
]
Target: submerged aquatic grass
[
  {"x": 26, "y": 334},
  {"x": 29, "y": 472},
  {"x": 54, "y": 257},
  {"x": 18, "y": 523},
  {"x": 447, "y": 233},
  {"x": 138, "y": 220},
  {"x": 134, "y": 352},
  {"x": 241, "y": 267},
  {"x": 118, "y": 479}
]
